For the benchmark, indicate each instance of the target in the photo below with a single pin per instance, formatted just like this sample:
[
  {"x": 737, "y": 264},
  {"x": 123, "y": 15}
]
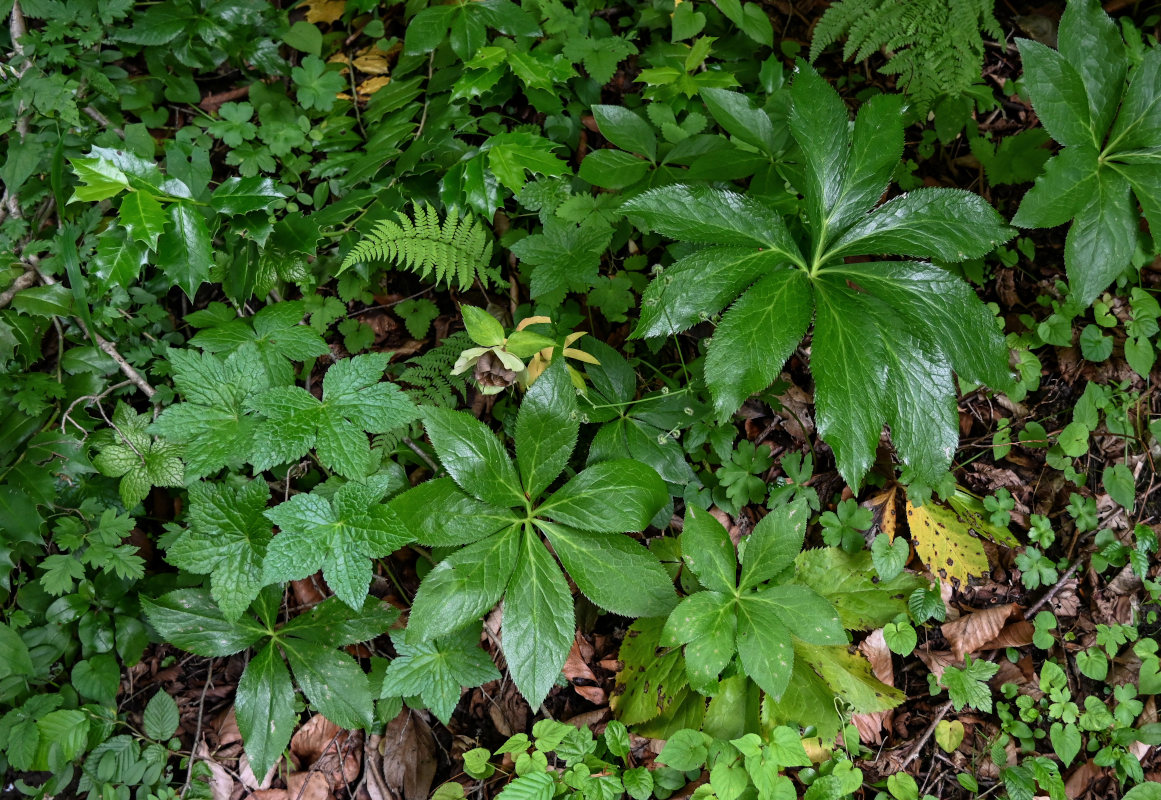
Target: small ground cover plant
[{"x": 579, "y": 400}]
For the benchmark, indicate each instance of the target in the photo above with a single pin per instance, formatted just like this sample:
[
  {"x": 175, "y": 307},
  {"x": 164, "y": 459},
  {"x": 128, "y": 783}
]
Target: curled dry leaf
[
  {"x": 584, "y": 682},
  {"x": 221, "y": 784},
  {"x": 936, "y": 660},
  {"x": 971, "y": 632},
  {"x": 870, "y": 726},
  {"x": 401, "y": 763},
  {"x": 309, "y": 785}
]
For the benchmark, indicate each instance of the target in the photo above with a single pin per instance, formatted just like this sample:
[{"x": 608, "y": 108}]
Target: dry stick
[
  {"x": 198, "y": 731},
  {"x": 101, "y": 119},
  {"x": 22, "y": 282},
  {"x": 939, "y": 715},
  {"x": 1051, "y": 592}
]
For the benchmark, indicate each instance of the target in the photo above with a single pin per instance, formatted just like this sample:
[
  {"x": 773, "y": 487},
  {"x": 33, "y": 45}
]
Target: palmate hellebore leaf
[
  {"x": 494, "y": 507},
  {"x": 888, "y": 335},
  {"x": 1111, "y": 134},
  {"x": 331, "y": 680}
]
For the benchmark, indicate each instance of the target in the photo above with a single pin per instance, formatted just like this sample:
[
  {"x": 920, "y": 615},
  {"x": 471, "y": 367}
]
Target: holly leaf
[
  {"x": 437, "y": 670},
  {"x": 338, "y": 536},
  {"x": 227, "y": 540},
  {"x": 354, "y": 402}
]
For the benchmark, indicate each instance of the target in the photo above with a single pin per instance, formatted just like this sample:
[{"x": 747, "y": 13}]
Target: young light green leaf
[
  {"x": 805, "y": 613},
  {"x": 227, "y": 539},
  {"x": 339, "y": 537}
]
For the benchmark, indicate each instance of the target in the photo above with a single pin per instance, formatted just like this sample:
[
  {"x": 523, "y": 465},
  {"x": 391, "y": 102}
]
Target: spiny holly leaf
[
  {"x": 354, "y": 401},
  {"x": 339, "y": 537},
  {"x": 227, "y": 539},
  {"x": 885, "y": 339},
  {"x": 274, "y": 332},
  {"x": 138, "y": 459},
  {"x": 212, "y": 426},
  {"x": 436, "y": 671}
]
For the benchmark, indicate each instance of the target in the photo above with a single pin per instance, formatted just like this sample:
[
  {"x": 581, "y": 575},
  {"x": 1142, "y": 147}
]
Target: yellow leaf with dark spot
[
  {"x": 372, "y": 85},
  {"x": 945, "y": 543}
]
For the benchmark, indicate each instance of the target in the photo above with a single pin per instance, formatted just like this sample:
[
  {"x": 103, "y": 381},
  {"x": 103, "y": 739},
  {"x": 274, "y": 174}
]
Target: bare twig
[
  {"x": 939, "y": 715},
  {"x": 104, "y": 121},
  {"x": 1052, "y": 592},
  {"x": 91, "y": 398},
  {"x": 198, "y": 731},
  {"x": 22, "y": 282},
  {"x": 419, "y": 452}
]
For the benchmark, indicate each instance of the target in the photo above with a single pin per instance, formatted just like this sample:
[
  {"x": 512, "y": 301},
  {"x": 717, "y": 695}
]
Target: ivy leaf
[
  {"x": 275, "y": 333},
  {"x": 227, "y": 539},
  {"x": 138, "y": 459},
  {"x": 435, "y": 671},
  {"x": 354, "y": 401},
  {"x": 212, "y": 425},
  {"x": 338, "y": 536}
]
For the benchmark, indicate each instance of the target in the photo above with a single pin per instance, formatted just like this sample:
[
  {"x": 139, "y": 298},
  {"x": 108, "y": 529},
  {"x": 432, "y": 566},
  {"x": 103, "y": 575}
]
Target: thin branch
[
  {"x": 102, "y": 120},
  {"x": 939, "y": 715},
  {"x": 22, "y": 282}
]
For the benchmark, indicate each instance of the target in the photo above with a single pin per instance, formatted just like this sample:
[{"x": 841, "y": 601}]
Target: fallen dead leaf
[
  {"x": 870, "y": 726},
  {"x": 973, "y": 631},
  {"x": 308, "y": 785},
  {"x": 584, "y": 682},
  {"x": 372, "y": 85},
  {"x": 328, "y": 750},
  {"x": 269, "y": 794},
  {"x": 372, "y": 63},
  {"x": 1081, "y": 778},
  {"x": 221, "y": 784},
  {"x": 400, "y": 764},
  {"x": 1017, "y": 634},
  {"x": 1148, "y": 716},
  {"x": 324, "y": 10}
]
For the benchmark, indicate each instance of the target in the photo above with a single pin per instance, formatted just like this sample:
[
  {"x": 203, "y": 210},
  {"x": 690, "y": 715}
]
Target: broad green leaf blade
[
  {"x": 333, "y": 683},
  {"x": 698, "y": 286},
  {"x": 546, "y": 428},
  {"x": 848, "y": 581},
  {"x": 118, "y": 260},
  {"x": 626, "y": 130},
  {"x": 242, "y": 195},
  {"x": 942, "y": 309},
  {"x": 707, "y": 550},
  {"x": 1090, "y": 42},
  {"x": 609, "y": 497},
  {"x": 806, "y": 614},
  {"x": 735, "y": 112},
  {"x": 438, "y": 514},
  {"x": 533, "y": 786},
  {"x": 539, "y": 625},
  {"x": 464, "y": 585},
  {"x": 756, "y": 336},
  {"x": 264, "y": 704},
  {"x": 1058, "y": 95},
  {"x": 1060, "y": 192},
  {"x": 1138, "y": 125},
  {"x": 697, "y": 213},
  {"x": 228, "y": 536},
  {"x": 707, "y": 624},
  {"x": 948, "y": 224},
  {"x": 184, "y": 251},
  {"x": 820, "y": 125},
  {"x": 603, "y": 564},
  {"x": 876, "y": 147},
  {"x": 436, "y": 671},
  {"x": 850, "y": 380},
  {"x": 1146, "y": 183},
  {"x": 291, "y": 427},
  {"x": 189, "y": 619},
  {"x": 473, "y": 456},
  {"x": 143, "y": 217},
  {"x": 161, "y": 717},
  {"x": 335, "y": 624},
  {"x": 774, "y": 544},
  {"x": 920, "y": 400},
  {"x": 849, "y": 676},
  {"x": 764, "y": 645},
  {"x": 1102, "y": 239}
]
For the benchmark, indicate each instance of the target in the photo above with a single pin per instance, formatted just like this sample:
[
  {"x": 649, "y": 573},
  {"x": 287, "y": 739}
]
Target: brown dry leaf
[
  {"x": 1077, "y": 783},
  {"x": 324, "y": 10},
  {"x": 308, "y": 785},
  {"x": 328, "y": 750},
  {"x": 313, "y": 739},
  {"x": 401, "y": 763},
  {"x": 936, "y": 660},
  {"x": 221, "y": 784},
  {"x": 584, "y": 682},
  {"x": 870, "y": 726},
  {"x": 973, "y": 631},
  {"x": 1148, "y": 716},
  {"x": 945, "y": 544},
  {"x": 1018, "y": 634},
  {"x": 269, "y": 794}
]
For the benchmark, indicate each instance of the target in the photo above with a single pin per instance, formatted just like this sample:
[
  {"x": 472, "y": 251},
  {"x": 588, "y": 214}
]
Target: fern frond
[
  {"x": 428, "y": 376},
  {"x": 933, "y": 46},
  {"x": 457, "y": 249}
]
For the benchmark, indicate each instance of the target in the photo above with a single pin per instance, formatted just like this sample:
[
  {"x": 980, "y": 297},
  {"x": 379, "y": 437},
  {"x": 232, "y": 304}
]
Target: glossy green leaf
[
  {"x": 538, "y": 621},
  {"x": 756, "y": 336},
  {"x": 143, "y": 217},
  {"x": 609, "y": 497},
  {"x": 184, "y": 251},
  {"x": 774, "y": 543},
  {"x": 626, "y": 130},
  {"x": 1138, "y": 125},
  {"x": 764, "y": 645},
  {"x": 1102, "y": 239},
  {"x": 735, "y": 112},
  {"x": 1058, "y": 95},
  {"x": 804, "y": 612},
  {"x": 707, "y": 550},
  {"x": 438, "y": 513},
  {"x": 876, "y": 147},
  {"x": 1090, "y": 41},
  {"x": 189, "y": 619},
  {"x": 1061, "y": 191},
  {"x": 820, "y": 125},
  {"x": 546, "y": 428},
  {"x": 264, "y": 704},
  {"x": 243, "y": 195},
  {"x": 474, "y": 457},
  {"x": 332, "y": 681}
]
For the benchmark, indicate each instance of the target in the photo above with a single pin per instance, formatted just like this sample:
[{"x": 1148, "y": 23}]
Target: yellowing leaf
[
  {"x": 372, "y": 85},
  {"x": 945, "y": 543},
  {"x": 324, "y": 10},
  {"x": 888, "y": 519},
  {"x": 949, "y": 735},
  {"x": 372, "y": 63}
]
